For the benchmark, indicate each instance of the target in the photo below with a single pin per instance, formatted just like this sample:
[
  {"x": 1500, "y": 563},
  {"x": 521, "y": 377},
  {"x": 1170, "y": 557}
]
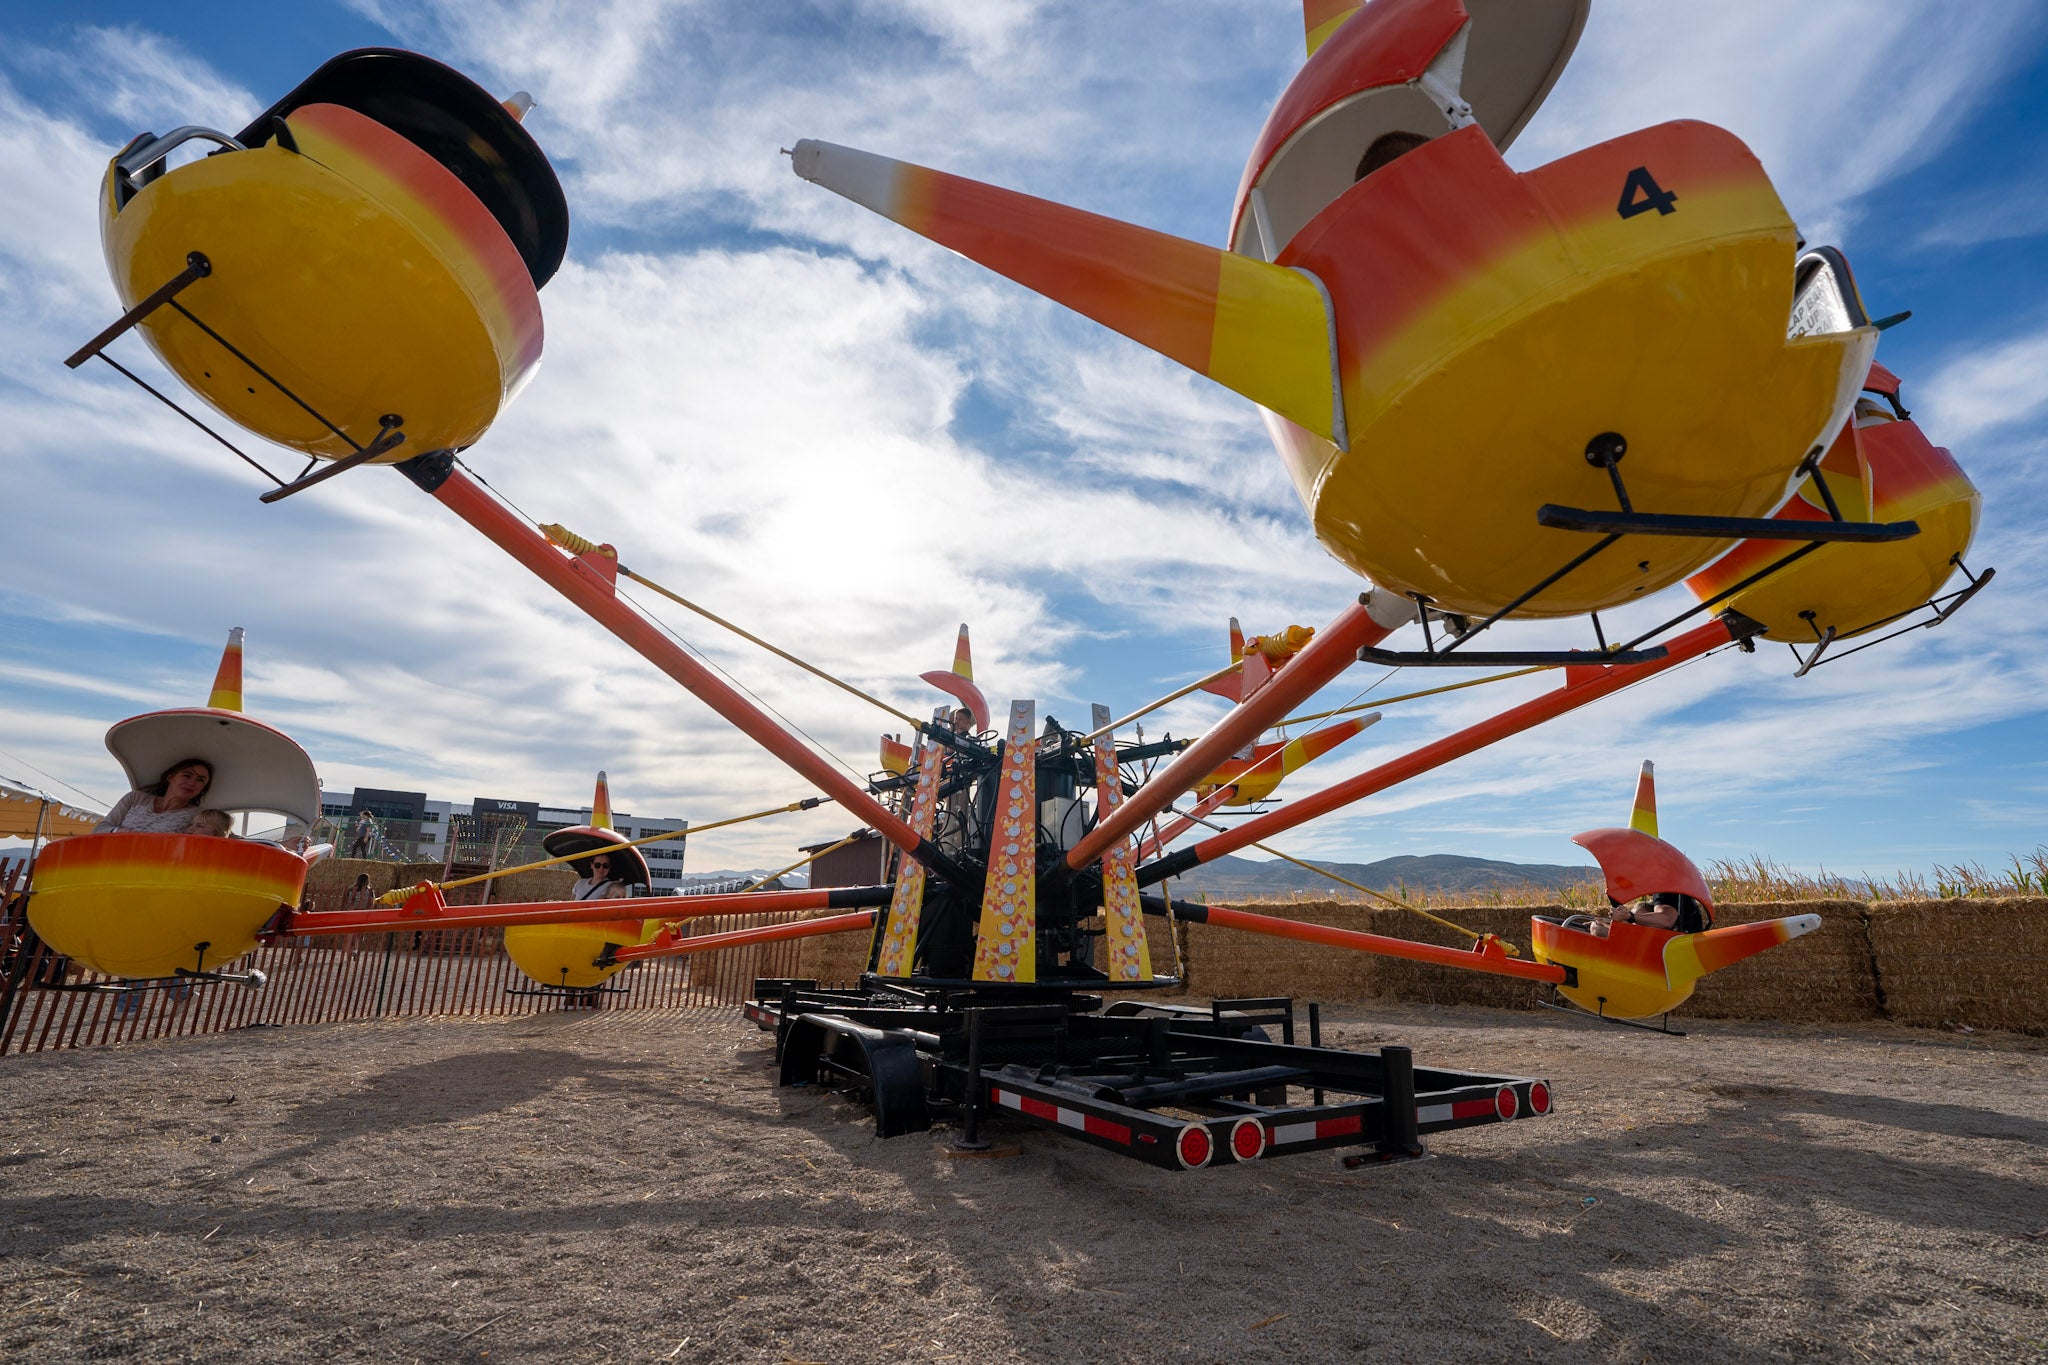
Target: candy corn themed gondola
[
  {"x": 564, "y": 957},
  {"x": 354, "y": 274},
  {"x": 1646, "y": 957},
  {"x": 1880, "y": 467},
  {"x": 150, "y": 905},
  {"x": 1467, "y": 371}
]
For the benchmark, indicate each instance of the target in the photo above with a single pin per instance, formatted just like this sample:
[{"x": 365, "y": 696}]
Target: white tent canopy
[{"x": 25, "y": 813}]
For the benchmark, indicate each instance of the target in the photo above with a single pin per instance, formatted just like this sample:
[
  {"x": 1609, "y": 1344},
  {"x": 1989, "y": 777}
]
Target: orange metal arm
[
  {"x": 1484, "y": 956},
  {"x": 1334, "y": 649},
  {"x": 597, "y": 597},
  {"x": 1581, "y": 686},
  {"x": 667, "y": 945},
  {"x": 426, "y": 910}
]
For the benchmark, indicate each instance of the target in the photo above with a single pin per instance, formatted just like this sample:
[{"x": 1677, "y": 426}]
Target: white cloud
[
  {"x": 1988, "y": 388},
  {"x": 142, "y": 78},
  {"x": 2014, "y": 208},
  {"x": 49, "y": 237},
  {"x": 661, "y": 115},
  {"x": 1834, "y": 101}
]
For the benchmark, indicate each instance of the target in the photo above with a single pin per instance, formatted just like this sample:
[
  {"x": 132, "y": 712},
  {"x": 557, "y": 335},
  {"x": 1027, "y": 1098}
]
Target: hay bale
[
  {"x": 833, "y": 959},
  {"x": 330, "y": 879},
  {"x": 1424, "y": 983},
  {"x": 1226, "y": 963},
  {"x": 541, "y": 884},
  {"x": 1981, "y": 963},
  {"x": 1168, "y": 940},
  {"x": 1824, "y": 977}
]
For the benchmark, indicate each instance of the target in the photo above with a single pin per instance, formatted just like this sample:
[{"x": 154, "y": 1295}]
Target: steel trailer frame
[{"x": 1178, "y": 1087}]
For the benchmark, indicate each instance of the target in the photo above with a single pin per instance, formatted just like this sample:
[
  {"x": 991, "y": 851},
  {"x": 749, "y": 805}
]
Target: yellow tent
[{"x": 24, "y": 812}]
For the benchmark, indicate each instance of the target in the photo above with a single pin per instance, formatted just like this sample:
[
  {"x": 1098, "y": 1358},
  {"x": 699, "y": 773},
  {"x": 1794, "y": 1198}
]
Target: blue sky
[{"x": 824, "y": 427}]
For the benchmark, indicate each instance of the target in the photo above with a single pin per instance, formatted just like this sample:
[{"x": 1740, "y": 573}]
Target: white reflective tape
[
  {"x": 1292, "y": 1132},
  {"x": 1433, "y": 1113}
]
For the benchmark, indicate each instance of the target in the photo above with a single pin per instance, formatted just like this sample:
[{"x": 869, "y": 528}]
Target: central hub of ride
[{"x": 1003, "y": 908}]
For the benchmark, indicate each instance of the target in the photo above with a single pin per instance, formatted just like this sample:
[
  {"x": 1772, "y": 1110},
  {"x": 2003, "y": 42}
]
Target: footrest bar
[{"x": 1720, "y": 528}]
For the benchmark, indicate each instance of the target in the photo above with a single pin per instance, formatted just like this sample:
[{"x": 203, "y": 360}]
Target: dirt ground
[{"x": 632, "y": 1186}]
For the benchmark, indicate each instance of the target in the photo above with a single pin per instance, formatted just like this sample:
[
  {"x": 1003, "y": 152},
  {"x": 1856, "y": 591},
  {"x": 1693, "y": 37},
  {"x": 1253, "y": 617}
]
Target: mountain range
[
  {"x": 1232, "y": 878},
  {"x": 1229, "y": 877}
]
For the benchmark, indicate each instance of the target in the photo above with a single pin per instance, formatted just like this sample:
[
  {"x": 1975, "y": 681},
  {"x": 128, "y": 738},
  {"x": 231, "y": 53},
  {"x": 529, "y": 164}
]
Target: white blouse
[{"x": 136, "y": 813}]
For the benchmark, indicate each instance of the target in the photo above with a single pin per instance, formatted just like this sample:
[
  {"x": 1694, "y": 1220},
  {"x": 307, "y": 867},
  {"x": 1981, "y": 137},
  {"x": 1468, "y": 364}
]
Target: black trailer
[{"x": 1177, "y": 1086}]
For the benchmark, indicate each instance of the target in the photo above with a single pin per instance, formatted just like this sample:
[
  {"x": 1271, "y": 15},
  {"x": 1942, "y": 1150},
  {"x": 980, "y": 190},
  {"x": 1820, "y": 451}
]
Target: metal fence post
[{"x": 384, "y": 981}]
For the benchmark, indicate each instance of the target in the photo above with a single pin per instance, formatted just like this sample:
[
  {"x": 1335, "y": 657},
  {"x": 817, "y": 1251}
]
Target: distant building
[
  {"x": 417, "y": 829},
  {"x": 858, "y": 864}
]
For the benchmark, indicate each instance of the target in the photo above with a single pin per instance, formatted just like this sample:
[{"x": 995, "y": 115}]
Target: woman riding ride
[
  {"x": 170, "y": 805},
  {"x": 602, "y": 883}
]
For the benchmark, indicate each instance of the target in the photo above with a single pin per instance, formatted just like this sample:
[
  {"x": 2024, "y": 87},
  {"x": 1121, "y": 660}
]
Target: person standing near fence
[{"x": 364, "y": 837}]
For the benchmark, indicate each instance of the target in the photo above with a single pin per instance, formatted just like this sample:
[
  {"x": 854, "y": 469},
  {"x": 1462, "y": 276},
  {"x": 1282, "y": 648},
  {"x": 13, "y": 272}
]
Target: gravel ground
[{"x": 631, "y": 1186}]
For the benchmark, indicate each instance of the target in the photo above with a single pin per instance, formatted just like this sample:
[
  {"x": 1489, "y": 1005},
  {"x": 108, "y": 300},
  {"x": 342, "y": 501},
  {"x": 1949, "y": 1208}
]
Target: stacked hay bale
[
  {"x": 1424, "y": 984},
  {"x": 834, "y": 959},
  {"x": 1976, "y": 963},
  {"x": 1228, "y": 963},
  {"x": 1824, "y": 977},
  {"x": 541, "y": 884},
  {"x": 1223, "y": 963},
  {"x": 329, "y": 880}
]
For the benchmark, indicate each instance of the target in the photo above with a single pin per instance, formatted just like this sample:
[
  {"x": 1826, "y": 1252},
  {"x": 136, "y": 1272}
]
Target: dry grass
[
  {"x": 1761, "y": 879},
  {"x": 1578, "y": 896},
  {"x": 1755, "y": 880}
]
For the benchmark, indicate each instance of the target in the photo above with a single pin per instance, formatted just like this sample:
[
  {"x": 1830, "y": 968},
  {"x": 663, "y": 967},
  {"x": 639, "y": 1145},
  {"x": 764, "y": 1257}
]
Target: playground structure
[{"x": 1024, "y": 850}]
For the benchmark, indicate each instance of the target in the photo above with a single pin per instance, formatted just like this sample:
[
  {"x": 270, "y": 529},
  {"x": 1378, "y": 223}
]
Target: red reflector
[
  {"x": 1247, "y": 1139},
  {"x": 1539, "y": 1098},
  {"x": 1504, "y": 1102},
  {"x": 1103, "y": 1128},
  {"x": 1193, "y": 1146}
]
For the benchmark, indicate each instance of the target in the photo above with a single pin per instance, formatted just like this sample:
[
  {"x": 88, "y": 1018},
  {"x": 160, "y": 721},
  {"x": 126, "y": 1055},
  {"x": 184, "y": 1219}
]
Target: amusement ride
[{"x": 1500, "y": 395}]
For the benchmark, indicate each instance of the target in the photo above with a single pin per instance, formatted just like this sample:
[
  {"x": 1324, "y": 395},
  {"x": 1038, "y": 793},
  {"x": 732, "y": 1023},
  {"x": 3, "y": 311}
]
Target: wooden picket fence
[{"x": 328, "y": 979}]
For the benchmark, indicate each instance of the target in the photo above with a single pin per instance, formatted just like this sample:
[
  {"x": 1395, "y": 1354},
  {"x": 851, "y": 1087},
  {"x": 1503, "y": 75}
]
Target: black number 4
[{"x": 1640, "y": 193}]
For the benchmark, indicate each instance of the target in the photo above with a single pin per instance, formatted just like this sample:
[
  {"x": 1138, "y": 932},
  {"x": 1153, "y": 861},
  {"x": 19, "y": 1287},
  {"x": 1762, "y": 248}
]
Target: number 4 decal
[{"x": 1640, "y": 193}]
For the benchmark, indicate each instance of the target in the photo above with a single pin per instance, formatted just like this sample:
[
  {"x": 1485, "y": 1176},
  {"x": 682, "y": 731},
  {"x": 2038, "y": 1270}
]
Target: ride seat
[{"x": 457, "y": 123}]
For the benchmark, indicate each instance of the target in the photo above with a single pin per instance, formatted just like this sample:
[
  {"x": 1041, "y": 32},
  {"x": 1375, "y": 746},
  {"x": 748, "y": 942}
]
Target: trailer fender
[{"x": 830, "y": 1048}]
